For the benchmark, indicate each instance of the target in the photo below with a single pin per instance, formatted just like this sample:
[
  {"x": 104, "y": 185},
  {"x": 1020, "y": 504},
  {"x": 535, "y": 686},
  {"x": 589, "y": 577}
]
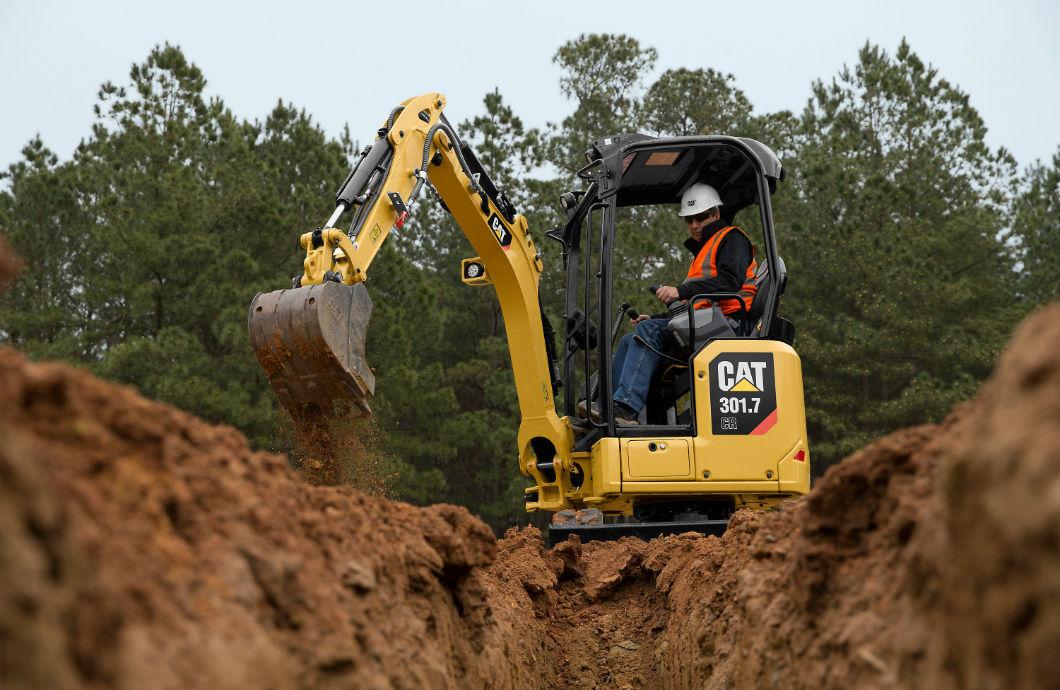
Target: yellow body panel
[
  {"x": 606, "y": 477},
  {"x": 657, "y": 460},
  {"x": 749, "y": 457}
]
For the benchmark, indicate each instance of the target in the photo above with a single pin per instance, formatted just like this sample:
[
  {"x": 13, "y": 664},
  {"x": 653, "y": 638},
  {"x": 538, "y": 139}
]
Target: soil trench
[{"x": 141, "y": 547}]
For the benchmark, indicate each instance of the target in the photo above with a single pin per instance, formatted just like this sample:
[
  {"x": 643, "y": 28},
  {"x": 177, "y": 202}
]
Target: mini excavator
[{"x": 724, "y": 427}]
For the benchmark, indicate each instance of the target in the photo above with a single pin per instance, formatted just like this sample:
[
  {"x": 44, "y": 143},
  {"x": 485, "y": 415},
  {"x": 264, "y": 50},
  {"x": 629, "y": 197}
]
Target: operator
[{"x": 724, "y": 262}]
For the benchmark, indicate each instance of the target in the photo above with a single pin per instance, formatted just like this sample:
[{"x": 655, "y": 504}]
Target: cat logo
[
  {"x": 500, "y": 231},
  {"x": 743, "y": 395},
  {"x": 741, "y": 377}
]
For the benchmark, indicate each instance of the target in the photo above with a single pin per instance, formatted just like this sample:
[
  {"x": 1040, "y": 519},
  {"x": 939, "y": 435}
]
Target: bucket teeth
[{"x": 310, "y": 342}]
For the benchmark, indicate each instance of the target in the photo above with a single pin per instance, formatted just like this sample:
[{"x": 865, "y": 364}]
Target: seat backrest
[{"x": 763, "y": 280}]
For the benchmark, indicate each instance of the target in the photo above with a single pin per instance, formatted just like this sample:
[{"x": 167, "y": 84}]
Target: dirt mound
[{"x": 142, "y": 547}]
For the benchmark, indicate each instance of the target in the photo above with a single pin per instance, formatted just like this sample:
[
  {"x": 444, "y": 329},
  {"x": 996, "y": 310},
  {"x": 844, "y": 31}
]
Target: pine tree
[
  {"x": 1036, "y": 226},
  {"x": 602, "y": 74},
  {"x": 684, "y": 102},
  {"x": 163, "y": 226},
  {"x": 900, "y": 279}
]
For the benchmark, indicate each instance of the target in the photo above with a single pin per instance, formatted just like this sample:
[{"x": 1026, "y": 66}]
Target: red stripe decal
[{"x": 766, "y": 424}]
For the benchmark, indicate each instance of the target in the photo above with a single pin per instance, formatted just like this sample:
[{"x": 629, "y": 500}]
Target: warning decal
[{"x": 743, "y": 395}]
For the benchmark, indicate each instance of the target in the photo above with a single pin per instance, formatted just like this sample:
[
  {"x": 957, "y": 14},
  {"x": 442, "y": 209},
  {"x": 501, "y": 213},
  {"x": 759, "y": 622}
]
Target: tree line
[{"x": 912, "y": 247}]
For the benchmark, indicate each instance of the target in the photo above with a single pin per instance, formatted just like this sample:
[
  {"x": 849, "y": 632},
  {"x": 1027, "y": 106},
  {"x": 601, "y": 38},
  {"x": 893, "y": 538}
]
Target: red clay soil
[
  {"x": 930, "y": 558},
  {"x": 141, "y": 547},
  {"x": 144, "y": 548}
]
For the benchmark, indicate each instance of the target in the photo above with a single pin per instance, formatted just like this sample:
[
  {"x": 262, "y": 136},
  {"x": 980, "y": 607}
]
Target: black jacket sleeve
[{"x": 733, "y": 258}]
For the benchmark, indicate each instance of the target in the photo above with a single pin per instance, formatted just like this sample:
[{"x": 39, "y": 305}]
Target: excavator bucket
[{"x": 310, "y": 342}]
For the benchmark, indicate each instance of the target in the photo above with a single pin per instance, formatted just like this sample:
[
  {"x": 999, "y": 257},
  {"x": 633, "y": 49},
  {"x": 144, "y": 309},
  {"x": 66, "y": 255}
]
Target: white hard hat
[{"x": 698, "y": 198}]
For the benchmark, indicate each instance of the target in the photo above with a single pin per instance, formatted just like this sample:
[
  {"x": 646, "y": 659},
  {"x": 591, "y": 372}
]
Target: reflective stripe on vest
[{"x": 708, "y": 256}]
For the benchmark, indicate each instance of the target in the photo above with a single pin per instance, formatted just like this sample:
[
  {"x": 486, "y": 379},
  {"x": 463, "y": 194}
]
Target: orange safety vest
[{"x": 707, "y": 257}]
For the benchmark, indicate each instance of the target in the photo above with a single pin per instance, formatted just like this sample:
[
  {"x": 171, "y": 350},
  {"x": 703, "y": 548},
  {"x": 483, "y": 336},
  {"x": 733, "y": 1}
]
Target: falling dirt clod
[{"x": 140, "y": 546}]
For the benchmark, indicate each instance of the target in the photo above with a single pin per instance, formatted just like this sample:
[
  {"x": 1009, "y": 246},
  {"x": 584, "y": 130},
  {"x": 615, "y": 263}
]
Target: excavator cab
[
  {"x": 636, "y": 180},
  {"x": 724, "y": 425}
]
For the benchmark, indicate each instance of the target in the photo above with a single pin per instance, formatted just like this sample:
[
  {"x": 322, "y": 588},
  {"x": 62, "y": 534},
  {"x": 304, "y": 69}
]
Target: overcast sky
[{"x": 350, "y": 62}]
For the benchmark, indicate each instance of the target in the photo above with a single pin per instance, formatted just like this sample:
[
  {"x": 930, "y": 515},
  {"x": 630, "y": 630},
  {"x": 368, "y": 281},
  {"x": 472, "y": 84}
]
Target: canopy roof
[{"x": 646, "y": 170}]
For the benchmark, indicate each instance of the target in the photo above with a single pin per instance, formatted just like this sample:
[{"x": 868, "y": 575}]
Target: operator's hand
[
  {"x": 666, "y": 294},
  {"x": 642, "y": 317}
]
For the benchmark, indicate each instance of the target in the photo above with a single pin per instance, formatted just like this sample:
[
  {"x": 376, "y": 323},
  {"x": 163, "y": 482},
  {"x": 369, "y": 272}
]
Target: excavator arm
[{"x": 310, "y": 339}]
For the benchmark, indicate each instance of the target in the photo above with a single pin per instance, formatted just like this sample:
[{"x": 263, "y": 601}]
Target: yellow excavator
[{"x": 724, "y": 426}]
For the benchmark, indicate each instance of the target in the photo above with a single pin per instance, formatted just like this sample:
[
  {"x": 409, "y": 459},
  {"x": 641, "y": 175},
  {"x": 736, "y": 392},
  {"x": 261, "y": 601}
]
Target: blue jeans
[{"x": 633, "y": 364}]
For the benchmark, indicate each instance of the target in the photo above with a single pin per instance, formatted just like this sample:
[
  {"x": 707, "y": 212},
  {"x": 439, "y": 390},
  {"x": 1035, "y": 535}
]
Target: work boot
[
  {"x": 625, "y": 416},
  {"x": 582, "y": 407}
]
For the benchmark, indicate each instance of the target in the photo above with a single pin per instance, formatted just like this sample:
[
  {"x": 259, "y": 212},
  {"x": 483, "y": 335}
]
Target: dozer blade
[
  {"x": 310, "y": 342},
  {"x": 646, "y": 531}
]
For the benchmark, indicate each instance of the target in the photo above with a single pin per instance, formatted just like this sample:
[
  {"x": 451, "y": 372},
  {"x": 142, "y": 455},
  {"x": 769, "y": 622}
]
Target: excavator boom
[{"x": 310, "y": 339}]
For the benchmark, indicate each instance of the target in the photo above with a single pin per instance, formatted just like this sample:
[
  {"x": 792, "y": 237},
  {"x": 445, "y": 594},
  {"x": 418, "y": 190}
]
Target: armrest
[
  {"x": 719, "y": 296},
  {"x": 713, "y": 297}
]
